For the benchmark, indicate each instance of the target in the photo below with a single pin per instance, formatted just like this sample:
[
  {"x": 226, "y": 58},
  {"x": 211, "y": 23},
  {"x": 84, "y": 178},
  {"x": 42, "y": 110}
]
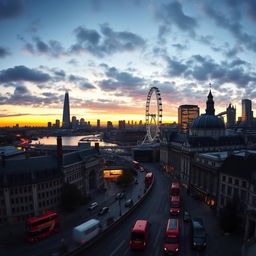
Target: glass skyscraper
[{"x": 66, "y": 113}]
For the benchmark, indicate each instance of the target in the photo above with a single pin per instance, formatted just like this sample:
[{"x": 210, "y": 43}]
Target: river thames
[{"x": 72, "y": 141}]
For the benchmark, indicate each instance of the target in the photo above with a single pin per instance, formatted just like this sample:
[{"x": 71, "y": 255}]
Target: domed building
[
  {"x": 208, "y": 124},
  {"x": 180, "y": 152}
]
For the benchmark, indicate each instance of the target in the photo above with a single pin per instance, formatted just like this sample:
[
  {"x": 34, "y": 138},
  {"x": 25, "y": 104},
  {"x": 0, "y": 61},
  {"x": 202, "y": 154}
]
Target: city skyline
[{"x": 108, "y": 60}]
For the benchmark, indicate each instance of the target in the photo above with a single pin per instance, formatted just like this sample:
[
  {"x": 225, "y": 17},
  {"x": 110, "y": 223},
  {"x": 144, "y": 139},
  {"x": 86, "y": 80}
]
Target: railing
[{"x": 112, "y": 226}]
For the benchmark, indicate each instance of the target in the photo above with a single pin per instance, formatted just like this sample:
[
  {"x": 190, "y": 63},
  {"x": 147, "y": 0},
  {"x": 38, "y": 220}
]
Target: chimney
[
  {"x": 59, "y": 149},
  {"x": 3, "y": 159},
  {"x": 97, "y": 146}
]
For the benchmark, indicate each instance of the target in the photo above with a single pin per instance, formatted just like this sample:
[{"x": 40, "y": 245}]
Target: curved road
[{"x": 154, "y": 209}]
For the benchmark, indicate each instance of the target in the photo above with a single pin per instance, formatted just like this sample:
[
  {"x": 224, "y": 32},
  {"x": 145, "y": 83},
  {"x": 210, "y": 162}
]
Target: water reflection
[{"x": 71, "y": 141}]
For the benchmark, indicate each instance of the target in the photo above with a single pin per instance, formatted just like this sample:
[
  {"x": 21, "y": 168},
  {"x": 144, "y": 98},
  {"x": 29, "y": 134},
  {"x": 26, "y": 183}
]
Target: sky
[{"x": 108, "y": 54}]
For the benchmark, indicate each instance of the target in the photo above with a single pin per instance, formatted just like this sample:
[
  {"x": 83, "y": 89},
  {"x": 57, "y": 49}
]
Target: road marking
[
  {"x": 126, "y": 251},
  {"x": 117, "y": 248},
  {"x": 157, "y": 236}
]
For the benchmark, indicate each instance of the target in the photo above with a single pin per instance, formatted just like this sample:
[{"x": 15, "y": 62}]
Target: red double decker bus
[
  {"x": 41, "y": 227},
  {"x": 139, "y": 235},
  {"x": 148, "y": 179},
  {"x": 175, "y": 189},
  {"x": 175, "y": 205}
]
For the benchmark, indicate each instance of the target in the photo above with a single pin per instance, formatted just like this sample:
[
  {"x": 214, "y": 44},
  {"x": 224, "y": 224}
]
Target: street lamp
[{"x": 120, "y": 210}]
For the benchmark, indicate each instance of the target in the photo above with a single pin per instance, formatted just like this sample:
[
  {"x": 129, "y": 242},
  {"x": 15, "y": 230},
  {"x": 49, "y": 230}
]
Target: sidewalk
[{"x": 218, "y": 243}]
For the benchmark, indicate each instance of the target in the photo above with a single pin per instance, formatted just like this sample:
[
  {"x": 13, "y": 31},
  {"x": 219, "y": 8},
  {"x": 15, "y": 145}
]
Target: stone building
[{"x": 29, "y": 187}]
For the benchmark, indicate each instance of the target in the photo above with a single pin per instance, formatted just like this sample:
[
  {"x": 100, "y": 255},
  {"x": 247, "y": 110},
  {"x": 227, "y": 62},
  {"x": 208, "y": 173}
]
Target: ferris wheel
[{"x": 154, "y": 115}]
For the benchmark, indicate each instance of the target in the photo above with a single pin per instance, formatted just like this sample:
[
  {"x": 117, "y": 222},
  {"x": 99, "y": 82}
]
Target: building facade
[
  {"x": 29, "y": 187},
  {"x": 247, "y": 113},
  {"x": 186, "y": 115}
]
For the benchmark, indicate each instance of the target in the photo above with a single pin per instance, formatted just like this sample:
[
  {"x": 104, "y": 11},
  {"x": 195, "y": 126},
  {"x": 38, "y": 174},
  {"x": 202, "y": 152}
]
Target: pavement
[{"x": 218, "y": 243}]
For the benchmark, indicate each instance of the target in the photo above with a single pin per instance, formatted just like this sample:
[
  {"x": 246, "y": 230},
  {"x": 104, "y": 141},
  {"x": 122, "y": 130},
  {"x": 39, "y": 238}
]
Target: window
[
  {"x": 244, "y": 184},
  {"x": 230, "y": 180},
  {"x": 229, "y": 190},
  {"x": 236, "y": 182},
  {"x": 223, "y": 188},
  {"x": 243, "y": 195},
  {"x": 223, "y": 178}
]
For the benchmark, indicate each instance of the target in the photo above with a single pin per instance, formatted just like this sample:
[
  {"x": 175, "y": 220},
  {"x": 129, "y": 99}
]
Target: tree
[
  {"x": 71, "y": 197},
  {"x": 125, "y": 179}
]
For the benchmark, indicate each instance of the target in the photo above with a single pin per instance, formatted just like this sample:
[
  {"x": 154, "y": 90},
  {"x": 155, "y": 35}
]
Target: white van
[{"x": 86, "y": 231}]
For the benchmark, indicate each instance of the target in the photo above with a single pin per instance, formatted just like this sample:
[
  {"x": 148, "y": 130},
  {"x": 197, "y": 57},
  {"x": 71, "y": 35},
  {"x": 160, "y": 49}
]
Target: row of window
[
  {"x": 73, "y": 177},
  {"x": 234, "y": 181},
  {"x": 23, "y": 199},
  {"x": 53, "y": 192},
  {"x": 232, "y": 191},
  {"x": 48, "y": 202},
  {"x": 16, "y": 210},
  {"x": 49, "y": 184}
]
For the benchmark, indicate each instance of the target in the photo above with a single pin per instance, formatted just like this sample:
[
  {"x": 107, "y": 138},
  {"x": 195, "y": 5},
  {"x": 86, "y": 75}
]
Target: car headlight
[
  {"x": 165, "y": 249},
  {"x": 194, "y": 243},
  {"x": 177, "y": 249}
]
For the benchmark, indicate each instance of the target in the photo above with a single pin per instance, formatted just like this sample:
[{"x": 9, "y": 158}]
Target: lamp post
[{"x": 120, "y": 210}]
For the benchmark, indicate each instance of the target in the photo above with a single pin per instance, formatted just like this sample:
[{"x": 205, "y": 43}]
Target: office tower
[
  {"x": 82, "y": 122},
  {"x": 98, "y": 124},
  {"x": 121, "y": 124},
  {"x": 73, "y": 122},
  {"x": 140, "y": 123},
  {"x": 247, "y": 113},
  {"x": 57, "y": 123},
  {"x": 186, "y": 114},
  {"x": 231, "y": 116},
  {"x": 49, "y": 125},
  {"x": 66, "y": 113},
  {"x": 109, "y": 125}
]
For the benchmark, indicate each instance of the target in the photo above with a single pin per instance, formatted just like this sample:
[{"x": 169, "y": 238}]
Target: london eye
[{"x": 153, "y": 116}]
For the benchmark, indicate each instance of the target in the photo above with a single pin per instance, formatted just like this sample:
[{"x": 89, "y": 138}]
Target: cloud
[
  {"x": 179, "y": 47},
  {"x": 251, "y": 4},
  {"x": 22, "y": 73},
  {"x": 11, "y": 9},
  {"x": 81, "y": 81},
  {"x": 107, "y": 42},
  {"x": 119, "y": 80},
  {"x": 175, "y": 68},
  {"x": 22, "y": 96},
  {"x": 172, "y": 15},
  {"x": 232, "y": 25},
  {"x": 4, "y": 52},
  {"x": 205, "y": 69},
  {"x": 53, "y": 48}
]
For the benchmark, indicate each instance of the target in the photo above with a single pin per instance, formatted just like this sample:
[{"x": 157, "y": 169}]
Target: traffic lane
[{"x": 154, "y": 209}]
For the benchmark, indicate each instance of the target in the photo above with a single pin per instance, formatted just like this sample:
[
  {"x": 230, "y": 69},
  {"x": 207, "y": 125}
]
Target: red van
[
  {"x": 139, "y": 235},
  {"x": 172, "y": 234}
]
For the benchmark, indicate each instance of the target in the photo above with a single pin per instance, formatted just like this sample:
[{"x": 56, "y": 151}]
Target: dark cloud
[
  {"x": 179, "y": 47},
  {"x": 4, "y": 52},
  {"x": 22, "y": 96},
  {"x": 172, "y": 14},
  {"x": 107, "y": 43},
  {"x": 53, "y": 48},
  {"x": 175, "y": 68},
  {"x": 86, "y": 85},
  {"x": 232, "y": 25},
  {"x": 13, "y": 115},
  {"x": 73, "y": 62},
  {"x": 10, "y": 8},
  {"x": 120, "y": 80},
  {"x": 22, "y": 73},
  {"x": 205, "y": 69},
  {"x": 251, "y": 4}
]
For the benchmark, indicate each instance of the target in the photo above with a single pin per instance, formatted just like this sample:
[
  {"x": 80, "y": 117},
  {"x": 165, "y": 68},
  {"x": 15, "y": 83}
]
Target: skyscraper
[
  {"x": 66, "y": 113},
  {"x": 98, "y": 124},
  {"x": 186, "y": 115},
  {"x": 231, "y": 116},
  {"x": 247, "y": 113}
]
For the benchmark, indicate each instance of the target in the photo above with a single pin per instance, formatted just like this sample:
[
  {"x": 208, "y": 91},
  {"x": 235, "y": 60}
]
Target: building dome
[{"x": 208, "y": 122}]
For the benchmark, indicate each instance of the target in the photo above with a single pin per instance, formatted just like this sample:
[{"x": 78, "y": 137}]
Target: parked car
[
  {"x": 198, "y": 234},
  {"x": 103, "y": 210},
  {"x": 92, "y": 206},
  {"x": 120, "y": 195},
  {"x": 186, "y": 216},
  {"x": 128, "y": 203}
]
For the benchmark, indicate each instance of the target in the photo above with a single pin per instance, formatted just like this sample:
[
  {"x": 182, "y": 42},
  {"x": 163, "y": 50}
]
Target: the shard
[{"x": 66, "y": 112}]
